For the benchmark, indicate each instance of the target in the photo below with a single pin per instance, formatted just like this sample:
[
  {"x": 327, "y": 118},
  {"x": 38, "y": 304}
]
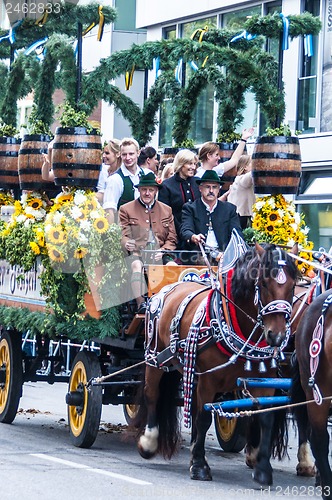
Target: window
[
  {"x": 126, "y": 15},
  {"x": 307, "y": 84}
]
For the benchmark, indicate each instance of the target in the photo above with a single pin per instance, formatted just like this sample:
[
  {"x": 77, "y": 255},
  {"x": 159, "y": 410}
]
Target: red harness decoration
[{"x": 233, "y": 319}]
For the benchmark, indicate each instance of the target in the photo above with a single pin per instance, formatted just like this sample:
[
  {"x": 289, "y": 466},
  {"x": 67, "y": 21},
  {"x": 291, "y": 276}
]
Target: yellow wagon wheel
[
  {"x": 84, "y": 405},
  {"x": 231, "y": 432},
  {"x": 11, "y": 375}
]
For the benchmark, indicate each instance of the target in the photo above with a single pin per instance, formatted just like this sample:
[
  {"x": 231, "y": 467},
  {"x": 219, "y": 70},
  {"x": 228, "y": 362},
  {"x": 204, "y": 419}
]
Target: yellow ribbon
[
  {"x": 89, "y": 28},
  {"x": 129, "y": 77},
  {"x": 205, "y": 61},
  {"x": 201, "y": 32},
  {"x": 101, "y": 23},
  {"x": 42, "y": 20}
]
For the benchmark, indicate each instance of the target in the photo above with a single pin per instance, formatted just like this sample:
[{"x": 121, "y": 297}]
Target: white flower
[
  {"x": 85, "y": 225},
  {"x": 24, "y": 198},
  {"x": 271, "y": 203},
  {"x": 57, "y": 218},
  {"x": 79, "y": 198},
  {"x": 294, "y": 226},
  {"x": 82, "y": 238},
  {"x": 297, "y": 218},
  {"x": 21, "y": 218},
  {"x": 259, "y": 205},
  {"x": 305, "y": 230},
  {"x": 94, "y": 214},
  {"x": 28, "y": 222},
  {"x": 291, "y": 242},
  {"x": 281, "y": 212},
  {"x": 75, "y": 212}
]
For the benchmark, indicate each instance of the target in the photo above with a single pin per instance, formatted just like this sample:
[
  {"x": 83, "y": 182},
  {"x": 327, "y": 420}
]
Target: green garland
[
  {"x": 41, "y": 323},
  {"x": 63, "y": 21},
  {"x": 271, "y": 26},
  {"x": 58, "y": 49}
]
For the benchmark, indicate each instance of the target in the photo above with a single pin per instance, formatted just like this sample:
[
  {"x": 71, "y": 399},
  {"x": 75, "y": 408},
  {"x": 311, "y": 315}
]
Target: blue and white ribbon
[
  {"x": 11, "y": 34},
  {"x": 156, "y": 66},
  {"x": 178, "y": 71},
  {"x": 285, "y": 33},
  {"x": 193, "y": 65},
  {"x": 308, "y": 46},
  {"x": 35, "y": 45},
  {"x": 244, "y": 35}
]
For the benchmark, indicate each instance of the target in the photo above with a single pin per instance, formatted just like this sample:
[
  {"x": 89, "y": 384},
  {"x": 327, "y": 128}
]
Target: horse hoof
[
  {"x": 145, "y": 453},
  {"x": 306, "y": 471},
  {"x": 262, "y": 477},
  {"x": 200, "y": 473}
]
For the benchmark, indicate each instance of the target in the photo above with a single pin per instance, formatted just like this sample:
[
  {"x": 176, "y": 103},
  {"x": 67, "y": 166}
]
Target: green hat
[
  {"x": 209, "y": 176},
  {"x": 148, "y": 180}
]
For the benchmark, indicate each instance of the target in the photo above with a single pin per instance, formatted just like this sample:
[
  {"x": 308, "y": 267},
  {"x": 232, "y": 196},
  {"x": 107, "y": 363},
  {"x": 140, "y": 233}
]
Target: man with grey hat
[
  {"x": 146, "y": 223},
  {"x": 208, "y": 220}
]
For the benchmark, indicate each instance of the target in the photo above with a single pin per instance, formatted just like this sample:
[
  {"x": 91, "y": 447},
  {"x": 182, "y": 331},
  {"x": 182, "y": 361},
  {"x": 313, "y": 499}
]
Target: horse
[
  {"x": 312, "y": 382},
  {"x": 205, "y": 334}
]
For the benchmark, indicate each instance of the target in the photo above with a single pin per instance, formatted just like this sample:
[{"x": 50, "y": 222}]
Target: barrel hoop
[
  {"x": 275, "y": 173},
  {"x": 277, "y": 139},
  {"x": 29, "y": 170},
  {"x": 276, "y": 189},
  {"x": 65, "y": 181},
  {"x": 31, "y": 184},
  {"x": 76, "y": 145},
  {"x": 36, "y": 138},
  {"x": 75, "y": 131},
  {"x": 8, "y": 173},
  {"x": 277, "y": 156},
  {"x": 76, "y": 166},
  {"x": 9, "y": 153},
  {"x": 9, "y": 140},
  {"x": 32, "y": 151}
]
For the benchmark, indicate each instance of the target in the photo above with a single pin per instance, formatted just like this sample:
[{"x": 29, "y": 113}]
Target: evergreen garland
[
  {"x": 271, "y": 25},
  {"x": 41, "y": 323},
  {"x": 15, "y": 81},
  {"x": 65, "y": 22},
  {"x": 58, "y": 50}
]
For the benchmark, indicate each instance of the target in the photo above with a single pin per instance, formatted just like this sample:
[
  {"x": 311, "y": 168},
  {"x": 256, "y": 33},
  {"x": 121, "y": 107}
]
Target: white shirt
[
  {"x": 219, "y": 169},
  {"x": 102, "y": 179},
  {"x": 114, "y": 187},
  {"x": 211, "y": 240}
]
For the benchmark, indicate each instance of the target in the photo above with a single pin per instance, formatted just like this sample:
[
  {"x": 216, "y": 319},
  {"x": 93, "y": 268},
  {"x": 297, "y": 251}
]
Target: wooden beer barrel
[
  {"x": 30, "y": 160},
  {"x": 76, "y": 157},
  {"x": 276, "y": 165},
  {"x": 226, "y": 150},
  {"x": 9, "y": 147}
]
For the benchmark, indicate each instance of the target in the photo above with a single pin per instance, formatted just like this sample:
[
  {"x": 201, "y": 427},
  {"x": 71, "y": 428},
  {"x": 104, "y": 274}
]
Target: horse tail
[
  {"x": 298, "y": 396},
  {"x": 168, "y": 414},
  {"x": 280, "y": 434}
]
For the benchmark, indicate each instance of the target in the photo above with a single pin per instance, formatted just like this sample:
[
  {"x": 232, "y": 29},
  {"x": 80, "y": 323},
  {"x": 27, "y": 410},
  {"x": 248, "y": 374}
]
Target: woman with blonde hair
[
  {"x": 111, "y": 162},
  {"x": 167, "y": 172},
  {"x": 241, "y": 192},
  {"x": 181, "y": 187}
]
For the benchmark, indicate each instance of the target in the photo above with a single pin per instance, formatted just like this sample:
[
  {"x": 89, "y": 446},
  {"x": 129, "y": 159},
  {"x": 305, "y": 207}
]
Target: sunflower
[
  {"x": 101, "y": 224},
  {"x": 54, "y": 254},
  {"x": 91, "y": 204},
  {"x": 56, "y": 235},
  {"x": 35, "y": 203},
  {"x": 272, "y": 217},
  {"x": 34, "y": 247},
  {"x": 63, "y": 198},
  {"x": 80, "y": 253}
]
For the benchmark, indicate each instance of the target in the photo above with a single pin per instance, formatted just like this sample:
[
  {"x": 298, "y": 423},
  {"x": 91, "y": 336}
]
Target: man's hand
[
  {"x": 198, "y": 238},
  {"x": 130, "y": 245},
  {"x": 158, "y": 256}
]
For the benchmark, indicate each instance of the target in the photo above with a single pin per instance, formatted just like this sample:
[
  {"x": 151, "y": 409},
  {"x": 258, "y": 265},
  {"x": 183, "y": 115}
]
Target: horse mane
[{"x": 248, "y": 265}]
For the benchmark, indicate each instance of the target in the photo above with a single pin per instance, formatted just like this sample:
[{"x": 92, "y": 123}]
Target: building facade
[{"x": 308, "y": 89}]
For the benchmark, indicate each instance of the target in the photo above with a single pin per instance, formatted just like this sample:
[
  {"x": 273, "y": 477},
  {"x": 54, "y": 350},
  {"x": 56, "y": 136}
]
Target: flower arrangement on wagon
[
  {"x": 22, "y": 238},
  {"x": 275, "y": 220},
  {"x": 84, "y": 252}
]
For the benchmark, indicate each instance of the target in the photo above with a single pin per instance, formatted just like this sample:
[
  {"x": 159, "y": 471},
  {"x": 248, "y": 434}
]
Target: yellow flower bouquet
[
  {"x": 84, "y": 252},
  {"x": 275, "y": 220}
]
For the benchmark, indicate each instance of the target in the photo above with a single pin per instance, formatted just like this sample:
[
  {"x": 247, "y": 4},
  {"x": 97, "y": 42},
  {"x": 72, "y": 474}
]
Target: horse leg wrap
[{"x": 148, "y": 442}]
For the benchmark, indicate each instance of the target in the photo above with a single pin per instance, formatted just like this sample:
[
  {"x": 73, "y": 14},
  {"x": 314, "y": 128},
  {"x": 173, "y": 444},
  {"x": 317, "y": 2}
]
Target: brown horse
[
  {"x": 312, "y": 380},
  {"x": 187, "y": 329}
]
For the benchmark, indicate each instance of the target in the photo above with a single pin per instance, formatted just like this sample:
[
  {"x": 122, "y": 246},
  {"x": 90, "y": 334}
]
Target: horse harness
[{"x": 208, "y": 327}]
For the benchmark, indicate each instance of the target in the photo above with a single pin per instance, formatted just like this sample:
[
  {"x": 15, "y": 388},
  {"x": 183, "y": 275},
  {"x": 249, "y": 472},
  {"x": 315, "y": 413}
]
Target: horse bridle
[{"x": 275, "y": 306}]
